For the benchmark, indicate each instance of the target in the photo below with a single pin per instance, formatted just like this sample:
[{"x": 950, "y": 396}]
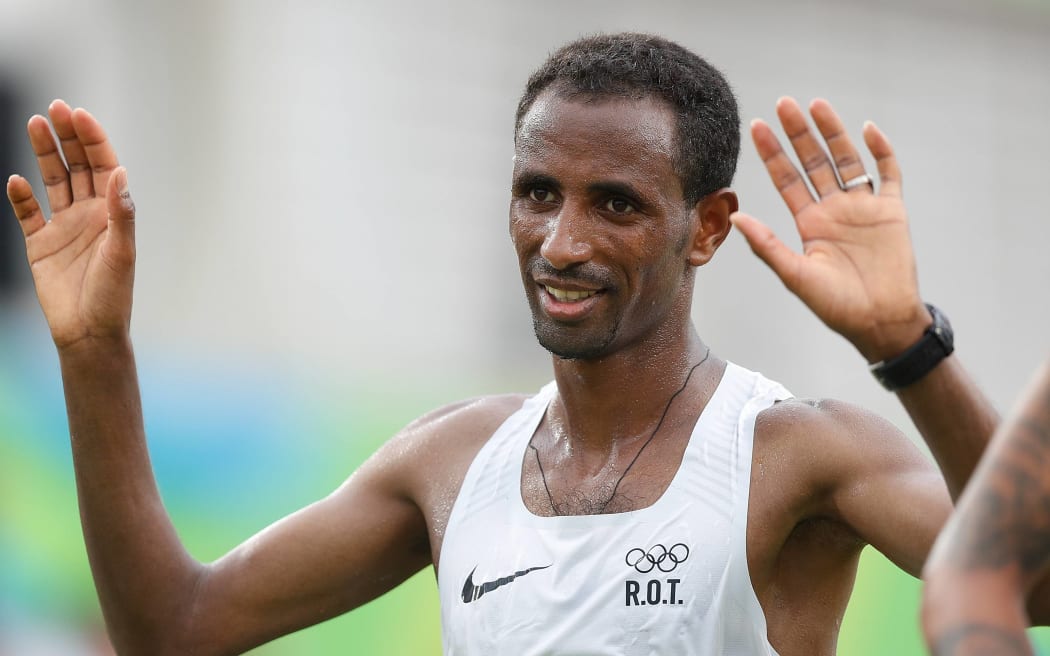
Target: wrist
[
  {"x": 93, "y": 347},
  {"x": 888, "y": 339},
  {"x": 936, "y": 343}
]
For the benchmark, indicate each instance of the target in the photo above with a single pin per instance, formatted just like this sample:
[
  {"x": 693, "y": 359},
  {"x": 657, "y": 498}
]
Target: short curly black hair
[{"x": 644, "y": 65}]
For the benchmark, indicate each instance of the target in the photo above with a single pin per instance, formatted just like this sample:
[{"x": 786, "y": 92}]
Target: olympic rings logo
[{"x": 658, "y": 557}]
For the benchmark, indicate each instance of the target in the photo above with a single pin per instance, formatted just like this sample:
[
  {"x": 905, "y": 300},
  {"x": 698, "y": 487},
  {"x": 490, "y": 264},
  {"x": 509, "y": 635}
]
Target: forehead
[{"x": 599, "y": 134}]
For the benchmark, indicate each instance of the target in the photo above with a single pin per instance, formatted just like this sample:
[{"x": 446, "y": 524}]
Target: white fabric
[{"x": 584, "y": 584}]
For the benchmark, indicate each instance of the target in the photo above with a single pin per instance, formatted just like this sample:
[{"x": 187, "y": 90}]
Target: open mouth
[
  {"x": 568, "y": 295},
  {"x": 568, "y": 305}
]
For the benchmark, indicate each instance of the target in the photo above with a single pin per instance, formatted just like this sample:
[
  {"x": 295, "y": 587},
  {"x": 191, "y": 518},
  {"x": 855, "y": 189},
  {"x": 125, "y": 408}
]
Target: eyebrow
[
  {"x": 613, "y": 188},
  {"x": 610, "y": 188},
  {"x": 529, "y": 179}
]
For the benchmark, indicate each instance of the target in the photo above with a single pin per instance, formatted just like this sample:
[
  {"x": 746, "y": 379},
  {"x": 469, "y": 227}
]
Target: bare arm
[
  {"x": 331, "y": 557},
  {"x": 995, "y": 552},
  {"x": 336, "y": 554},
  {"x": 857, "y": 272},
  {"x": 859, "y": 470}
]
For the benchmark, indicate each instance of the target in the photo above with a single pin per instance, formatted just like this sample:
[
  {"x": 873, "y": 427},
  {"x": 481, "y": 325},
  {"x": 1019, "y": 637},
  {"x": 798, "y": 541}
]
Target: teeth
[{"x": 567, "y": 295}]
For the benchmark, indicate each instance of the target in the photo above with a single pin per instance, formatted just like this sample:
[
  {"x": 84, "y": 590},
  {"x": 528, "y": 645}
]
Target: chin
[{"x": 573, "y": 347}]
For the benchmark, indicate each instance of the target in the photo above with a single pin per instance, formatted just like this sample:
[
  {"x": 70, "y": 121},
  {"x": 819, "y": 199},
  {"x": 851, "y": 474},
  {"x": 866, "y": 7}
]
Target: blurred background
[{"x": 322, "y": 194}]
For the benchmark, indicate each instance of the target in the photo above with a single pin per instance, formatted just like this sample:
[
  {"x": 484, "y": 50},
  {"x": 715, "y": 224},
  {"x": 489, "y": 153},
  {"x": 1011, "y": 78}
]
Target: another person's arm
[
  {"x": 993, "y": 556},
  {"x": 336, "y": 554},
  {"x": 857, "y": 272}
]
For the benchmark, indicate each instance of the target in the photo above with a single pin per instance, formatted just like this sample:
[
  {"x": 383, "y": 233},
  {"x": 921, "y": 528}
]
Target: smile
[{"x": 564, "y": 295}]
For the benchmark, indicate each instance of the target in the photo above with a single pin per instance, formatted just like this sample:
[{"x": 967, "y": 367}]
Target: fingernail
[{"x": 122, "y": 182}]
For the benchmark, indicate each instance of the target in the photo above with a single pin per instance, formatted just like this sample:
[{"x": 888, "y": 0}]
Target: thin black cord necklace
[{"x": 543, "y": 475}]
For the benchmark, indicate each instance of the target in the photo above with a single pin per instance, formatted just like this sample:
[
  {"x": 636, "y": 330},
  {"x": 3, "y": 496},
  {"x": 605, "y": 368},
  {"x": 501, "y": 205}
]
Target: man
[
  {"x": 986, "y": 579},
  {"x": 652, "y": 499}
]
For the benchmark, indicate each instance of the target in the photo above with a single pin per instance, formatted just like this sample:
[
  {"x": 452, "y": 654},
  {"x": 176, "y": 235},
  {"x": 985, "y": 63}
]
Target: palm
[
  {"x": 82, "y": 259},
  {"x": 75, "y": 286},
  {"x": 857, "y": 258},
  {"x": 856, "y": 271}
]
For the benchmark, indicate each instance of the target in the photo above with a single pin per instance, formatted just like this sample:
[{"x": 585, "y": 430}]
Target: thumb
[
  {"x": 120, "y": 239},
  {"x": 120, "y": 206},
  {"x": 784, "y": 262}
]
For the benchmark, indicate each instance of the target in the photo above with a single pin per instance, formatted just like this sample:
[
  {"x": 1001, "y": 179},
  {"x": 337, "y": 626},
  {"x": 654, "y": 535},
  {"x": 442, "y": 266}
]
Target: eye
[
  {"x": 619, "y": 206},
  {"x": 541, "y": 195}
]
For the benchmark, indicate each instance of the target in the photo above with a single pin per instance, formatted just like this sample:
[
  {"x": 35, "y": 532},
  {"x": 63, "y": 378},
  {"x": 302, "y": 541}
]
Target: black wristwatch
[{"x": 936, "y": 343}]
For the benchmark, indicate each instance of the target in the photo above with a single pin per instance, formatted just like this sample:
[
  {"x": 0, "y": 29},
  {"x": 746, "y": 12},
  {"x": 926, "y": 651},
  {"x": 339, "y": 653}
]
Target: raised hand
[
  {"x": 857, "y": 268},
  {"x": 83, "y": 258}
]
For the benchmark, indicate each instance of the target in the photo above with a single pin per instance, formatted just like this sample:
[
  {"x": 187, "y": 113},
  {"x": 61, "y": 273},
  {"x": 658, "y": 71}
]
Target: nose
[{"x": 568, "y": 239}]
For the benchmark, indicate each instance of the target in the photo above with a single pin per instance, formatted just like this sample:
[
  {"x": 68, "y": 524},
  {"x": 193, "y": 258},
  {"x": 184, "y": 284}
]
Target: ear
[{"x": 711, "y": 224}]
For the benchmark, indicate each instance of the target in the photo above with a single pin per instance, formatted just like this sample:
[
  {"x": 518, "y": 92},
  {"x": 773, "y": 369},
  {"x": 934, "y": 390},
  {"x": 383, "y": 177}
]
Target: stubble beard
[
  {"x": 571, "y": 341},
  {"x": 555, "y": 339}
]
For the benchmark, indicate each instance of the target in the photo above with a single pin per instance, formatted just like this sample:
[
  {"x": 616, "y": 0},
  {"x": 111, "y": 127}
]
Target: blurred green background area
[{"x": 234, "y": 451}]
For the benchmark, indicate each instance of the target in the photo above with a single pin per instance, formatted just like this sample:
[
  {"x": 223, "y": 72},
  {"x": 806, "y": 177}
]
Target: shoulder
[
  {"x": 434, "y": 453},
  {"x": 827, "y": 445},
  {"x": 466, "y": 422},
  {"x": 822, "y": 459},
  {"x": 427, "y": 460},
  {"x": 822, "y": 421}
]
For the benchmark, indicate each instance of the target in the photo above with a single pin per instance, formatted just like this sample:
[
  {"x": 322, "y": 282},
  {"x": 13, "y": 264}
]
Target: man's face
[{"x": 598, "y": 220}]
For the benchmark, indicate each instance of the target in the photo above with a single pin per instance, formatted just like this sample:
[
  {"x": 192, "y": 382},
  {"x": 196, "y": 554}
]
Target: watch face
[{"x": 941, "y": 329}]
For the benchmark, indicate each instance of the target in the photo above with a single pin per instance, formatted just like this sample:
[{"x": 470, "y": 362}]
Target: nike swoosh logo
[{"x": 473, "y": 592}]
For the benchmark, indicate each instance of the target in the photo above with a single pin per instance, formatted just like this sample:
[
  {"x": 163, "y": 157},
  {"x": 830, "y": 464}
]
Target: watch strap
[{"x": 936, "y": 343}]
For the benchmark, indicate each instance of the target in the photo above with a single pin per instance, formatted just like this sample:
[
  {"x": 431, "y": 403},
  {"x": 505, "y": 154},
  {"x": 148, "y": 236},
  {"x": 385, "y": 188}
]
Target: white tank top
[{"x": 670, "y": 579}]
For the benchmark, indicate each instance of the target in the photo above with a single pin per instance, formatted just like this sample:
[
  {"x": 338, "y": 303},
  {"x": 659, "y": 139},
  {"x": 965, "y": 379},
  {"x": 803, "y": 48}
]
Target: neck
[{"x": 622, "y": 396}]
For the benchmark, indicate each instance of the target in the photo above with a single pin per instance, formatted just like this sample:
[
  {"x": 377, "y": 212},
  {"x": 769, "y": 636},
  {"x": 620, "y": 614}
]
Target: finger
[
  {"x": 24, "y": 204},
  {"x": 100, "y": 153},
  {"x": 120, "y": 235},
  {"x": 785, "y": 177},
  {"x": 810, "y": 153},
  {"x": 885, "y": 160},
  {"x": 49, "y": 161},
  {"x": 76, "y": 159},
  {"x": 782, "y": 260},
  {"x": 843, "y": 153}
]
